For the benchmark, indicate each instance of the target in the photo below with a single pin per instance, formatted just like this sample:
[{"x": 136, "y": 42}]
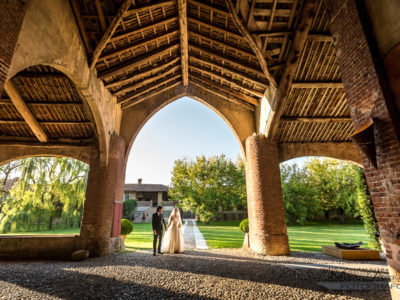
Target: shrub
[
  {"x": 126, "y": 227},
  {"x": 244, "y": 226}
]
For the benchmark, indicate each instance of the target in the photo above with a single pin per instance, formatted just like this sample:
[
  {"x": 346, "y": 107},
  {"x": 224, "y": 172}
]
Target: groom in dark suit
[{"x": 158, "y": 225}]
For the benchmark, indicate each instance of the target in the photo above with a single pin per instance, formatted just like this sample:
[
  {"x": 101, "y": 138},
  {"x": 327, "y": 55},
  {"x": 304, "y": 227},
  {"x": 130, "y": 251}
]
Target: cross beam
[
  {"x": 24, "y": 111},
  {"x": 184, "y": 39}
]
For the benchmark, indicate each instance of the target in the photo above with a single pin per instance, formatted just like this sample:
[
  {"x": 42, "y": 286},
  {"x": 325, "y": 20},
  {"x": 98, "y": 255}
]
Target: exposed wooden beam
[
  {"x": 21, "y": 122},
  {"x": 81, "y": 25},
  {"x": 145, "y": 81},
  {"x": 211, "y": 8},
  {"x": 217, "y": 29},
  {"x": 184, "y": 39},
  {"x": 152, "y": 6},
  {"x": 137, "y": 45},
  {"x": 224, "y": 96},
  {"x": 147, "y": 89},
  {"x": 232, "y": 61},
  {"x": 143, "y": 73},
  {"x": 141, "y": 29},
  {"x": 258, "y": 52},
  {"x": 227, "y": 91},
  {"x": 24, "y": 111},
  {"x": 320, "y": 37},
  {"x": 317, "y": 85},
  {"x": 155, "y": 93},
  {"x": 226, "y": 69},
  {"x": 110, "y": 31},
  {"x": 33, "y": 104},
  {"x": 316, "y": 119},
  {"x": 300, "y": 37},
  {"x": 228, "y": 80},
  {"x": 102, "y": 20},
  {"x": 222, "y": 44},
  {"x": 137, "y": 61}
]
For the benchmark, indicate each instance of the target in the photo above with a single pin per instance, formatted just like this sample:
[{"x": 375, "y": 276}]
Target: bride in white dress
[{"x": 173, "y": 238}]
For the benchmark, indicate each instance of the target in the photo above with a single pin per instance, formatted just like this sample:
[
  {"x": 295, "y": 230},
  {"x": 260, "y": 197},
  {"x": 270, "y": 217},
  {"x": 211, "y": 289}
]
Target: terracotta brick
[{"x": 267, "y": 221}]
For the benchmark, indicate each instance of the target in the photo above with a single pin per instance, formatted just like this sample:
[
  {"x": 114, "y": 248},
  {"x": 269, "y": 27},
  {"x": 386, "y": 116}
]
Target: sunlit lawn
[
  {"x": 227, "y": 235},
  {"x": 301, "y": 238}
]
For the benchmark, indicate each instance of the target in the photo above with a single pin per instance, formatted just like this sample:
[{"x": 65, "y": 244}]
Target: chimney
[{"x": 139, "y": 181}]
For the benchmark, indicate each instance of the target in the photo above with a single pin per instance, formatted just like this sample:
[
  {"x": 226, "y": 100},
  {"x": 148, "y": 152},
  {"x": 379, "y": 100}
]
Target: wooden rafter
[
  {"x": 227, "y": 91},
  {"x": 299, "y": 41},
  {"x": 148, "y": 7},
  {"x": 223, "y": 31},
  {"x": 227, "y": 69},
  {"x": 101, "y": 15},
  {"x": 110, "y": 31},
  {"x": 137, "y": 61},
  {"x": 128, "y": 34},
  {"x": 152, "y": 94},
  {"x": 226, "y": 58},
  {"x": 50, "y": 104},
  {"x": 184, "y": 40},
  {"x": 21, "y": 122},
  {"x": 316, "y": 119},
  {"x": 81, "y": 25},
  {"x": 317, "y": 85},
  {"x": 24, "y": 111},
  {"x": 243, "y": 30},
  {"x": 135, "y": 46},
  {"x": 211, "y": 8},
  {"x": 228, "y": 81},
  {"x": 147, "y": 89},
  {"x": 224, "y": 96},
  {"x": 145, "y": 81},
  {"x": 144, "y": 73}
]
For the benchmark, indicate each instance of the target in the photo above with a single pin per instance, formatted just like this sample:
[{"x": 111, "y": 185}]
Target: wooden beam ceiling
[
  {"x": 316, "y": 119},
  {"x": 24, "y": 111},
  {"x": 300, "y": 37},
  {"x": 317, "y": 85},
  {"x": 184, "y": 40},
  {"x": 110, "y": 31},
  {"x": 243, "y": 30}
]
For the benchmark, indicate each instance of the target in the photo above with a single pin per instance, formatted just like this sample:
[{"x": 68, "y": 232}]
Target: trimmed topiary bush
[
  {"x": 126, "y": 227},
  {"x": 244, "y": 226}
]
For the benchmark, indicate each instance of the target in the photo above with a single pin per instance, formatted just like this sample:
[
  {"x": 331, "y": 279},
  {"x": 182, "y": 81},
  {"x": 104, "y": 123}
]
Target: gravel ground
[{"x": 210, "y": 274}]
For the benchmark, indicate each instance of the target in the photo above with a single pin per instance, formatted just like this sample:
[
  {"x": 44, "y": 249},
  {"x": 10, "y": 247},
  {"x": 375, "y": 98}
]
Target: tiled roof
[{"x": 134, "y": 187}]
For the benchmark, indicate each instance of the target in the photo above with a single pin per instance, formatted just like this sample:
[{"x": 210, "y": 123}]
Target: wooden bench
[{"x": 351, "y": 254}]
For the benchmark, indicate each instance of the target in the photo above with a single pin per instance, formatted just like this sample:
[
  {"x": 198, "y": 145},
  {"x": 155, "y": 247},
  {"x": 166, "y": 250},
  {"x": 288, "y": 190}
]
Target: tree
[
  {"x": 206, "y": 185},
  {"x": 300, "y": 200},
  {"x": 48, "y": 189}
]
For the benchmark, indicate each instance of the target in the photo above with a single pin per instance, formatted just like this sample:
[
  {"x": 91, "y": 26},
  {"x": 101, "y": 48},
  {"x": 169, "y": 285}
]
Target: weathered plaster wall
[
  {"x": 345, "y": 151},
  {"x": 49, "y": 36},
  {"x": 240, "y": 119}
]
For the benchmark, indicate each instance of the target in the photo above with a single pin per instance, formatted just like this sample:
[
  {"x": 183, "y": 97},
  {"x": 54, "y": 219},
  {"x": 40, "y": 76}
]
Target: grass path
[{"x": 227, "y": 235}]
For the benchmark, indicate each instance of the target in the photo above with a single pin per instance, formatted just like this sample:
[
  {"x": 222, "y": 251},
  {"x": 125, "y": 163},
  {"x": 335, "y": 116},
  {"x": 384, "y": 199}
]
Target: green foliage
[
  {"x": 49, "y": 191},
  {"x": 128, "y": 208},
  {"x": 206, "y": 185},
  {"x": 244, "y": 226},
  {"x": 126, "y": 227},
  {"x": 366, "y": 209}
]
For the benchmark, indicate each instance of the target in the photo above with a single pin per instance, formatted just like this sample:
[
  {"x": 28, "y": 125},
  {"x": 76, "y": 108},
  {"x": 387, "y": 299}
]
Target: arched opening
[
  {"x": 327, "y": 200},
  {"x": 42, "y": 195},
  {"x": 182, "y": 129}
]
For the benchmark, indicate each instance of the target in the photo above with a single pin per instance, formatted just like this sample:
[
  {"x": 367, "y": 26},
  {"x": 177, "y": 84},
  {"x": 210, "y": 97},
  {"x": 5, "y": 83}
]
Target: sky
[{"x": 184, "y": 128}]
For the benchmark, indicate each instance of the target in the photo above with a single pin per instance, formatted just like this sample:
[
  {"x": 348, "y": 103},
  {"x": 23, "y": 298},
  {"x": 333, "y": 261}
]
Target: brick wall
[
  {"x": 12, "y": 14},
  {"x": 367, "y": 96}
]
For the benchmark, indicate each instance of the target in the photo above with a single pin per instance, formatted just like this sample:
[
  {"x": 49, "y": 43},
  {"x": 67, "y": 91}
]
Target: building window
[{"x": 126, "y": 196}]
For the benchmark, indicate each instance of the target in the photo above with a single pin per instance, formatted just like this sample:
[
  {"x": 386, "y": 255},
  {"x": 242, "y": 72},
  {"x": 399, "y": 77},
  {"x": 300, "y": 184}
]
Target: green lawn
[
  {"x": 301, "y": 238},
  {"x": 227, "y": 235}
]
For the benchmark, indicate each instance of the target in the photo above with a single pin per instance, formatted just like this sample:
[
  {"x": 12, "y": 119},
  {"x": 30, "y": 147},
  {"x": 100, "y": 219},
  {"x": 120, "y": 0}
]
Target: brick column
[
  {"x": 12, "y": 13},
  {"x": 267, "y": 221},
  {"x": 101, "y": 218},
  {"x": 368, "y": 97}
]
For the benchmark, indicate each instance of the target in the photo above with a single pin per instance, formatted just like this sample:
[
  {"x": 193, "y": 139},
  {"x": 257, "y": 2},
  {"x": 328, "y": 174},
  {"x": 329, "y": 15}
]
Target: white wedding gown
[{"x": 173, "y": 239}]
